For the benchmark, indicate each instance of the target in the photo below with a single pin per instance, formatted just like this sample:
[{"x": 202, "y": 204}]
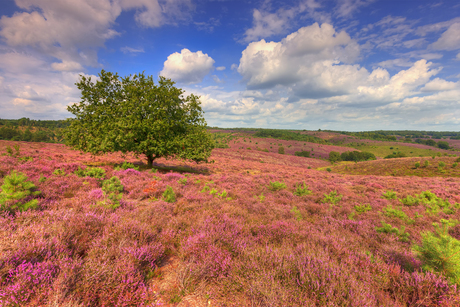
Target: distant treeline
[
  {"x": 27, "y": 122},
  {"x": 289, "y": 136},
  {"x": 35, "y": 130},
  {"x": 392, "y": 135}
]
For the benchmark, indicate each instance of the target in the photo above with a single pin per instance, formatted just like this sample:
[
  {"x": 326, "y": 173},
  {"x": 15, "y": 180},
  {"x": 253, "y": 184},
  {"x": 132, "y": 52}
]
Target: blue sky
[{"x": 311, "y": 64}]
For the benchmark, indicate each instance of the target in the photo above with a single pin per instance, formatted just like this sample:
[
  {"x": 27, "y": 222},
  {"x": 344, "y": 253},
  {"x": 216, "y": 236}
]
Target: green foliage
[
  {"x": 261, "y": 197},
  {"x": 132, "y": 114},
  {"x": 42, "y": 178},
  {"x": 387, "y": 228},
  {"x": 276, "y": 186},
  {"x": 112, "y": 185},
  {"x": 454, "y": 165},
  {"x": 169, "y": 195},
  {"x": 11, "y": 153},
  {"x": 17, "y": 193},
  {"x": 329, "y": 169},
  {"x": 357, "y": 156},
  {"x": 281, "y": 150},
  {"x": 302, "y": 153},
  {"x": 331, "y": 198},
  {"x": 391, "y": 212},
  {"x": 334, "y": 157},
  {"x": 439, "y": 252},
  {"x": 94, "y": 172},
  {"x": 297, "y": 214},
  {"x": 59, "y": 172},
  {"x": 396, "y": 155},
  {"x": 441, "y": 164},
  {"x": 432, "y": 203},
  {"x": 126, "y": 165},
  {"x": 182, "y": 181},
  {"x": 363, "y": 208},
  {"x": 426, "y": 163},
  {"x": 389, "y": 194},
  {"x": 301, "y": 191},
  {"x": 443, "y": 145},
  {"x": 288, "y": 136},
  {"x": 417, "y": 164}
]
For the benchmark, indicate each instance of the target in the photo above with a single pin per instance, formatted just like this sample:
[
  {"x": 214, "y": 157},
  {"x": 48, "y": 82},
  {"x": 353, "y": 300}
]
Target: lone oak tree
[{"x": 132, "y": 114}]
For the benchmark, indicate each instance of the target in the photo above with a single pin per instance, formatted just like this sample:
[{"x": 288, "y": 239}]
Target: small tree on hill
[
  {"x": 132, "y": 114},
  {"x": 443, "y": 145}
]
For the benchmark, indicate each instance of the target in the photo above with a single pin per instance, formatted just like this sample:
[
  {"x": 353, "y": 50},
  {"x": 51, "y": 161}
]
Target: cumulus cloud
[
  {"x": 307, "y": 60},
  {"x": 438, "y": 84},
  {"x": 220, "y": 68},
  {"x": 73, "y": 30},
  {"x": 449, "y": 40},
  {"x": 187, "y": 67}
]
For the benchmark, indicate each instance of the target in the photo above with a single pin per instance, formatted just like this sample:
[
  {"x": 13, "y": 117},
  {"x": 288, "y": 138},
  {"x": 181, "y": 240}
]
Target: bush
[
  {"x": 112, "y": 185},
  {"x": 127, "y": 165},
  {"x": 417, "y": 164},
  {"x": 357, "y": 156},
  {"x": 281, "y": 150},
  {"x": 332, "y": 198},
  {"x": 17, "y": 193},
  {"x": 334, "y": 156},
  {"x": 301, "y": 191},
  {"x": 396, "y": 155},
  {"x": 440, "y": 252},
  {"x": 443, "y": 145},
  {"x": 276, "y": 186},
  {"x": 94, "y": 172},
  {"x": 441, "y": 164},
  {"x": 169, "y": 195},
  {"x": 389, "y": 194},
  {"x": 302, "y": 153},
  {"x": 426, "y": 163}
]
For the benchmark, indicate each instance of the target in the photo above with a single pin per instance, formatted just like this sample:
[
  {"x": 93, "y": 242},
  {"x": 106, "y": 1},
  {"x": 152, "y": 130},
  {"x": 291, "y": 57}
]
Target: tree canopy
[{"x": 132, "y": 114}]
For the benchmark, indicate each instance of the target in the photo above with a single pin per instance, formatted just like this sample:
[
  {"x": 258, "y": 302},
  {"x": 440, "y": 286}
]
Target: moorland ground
[{"x": 253, "y": 228}]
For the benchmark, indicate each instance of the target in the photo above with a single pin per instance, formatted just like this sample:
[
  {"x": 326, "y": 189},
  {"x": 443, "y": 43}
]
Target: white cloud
[
  {"x": 346, "y": 8},
  {"x": 306, "y": 60},
  {"x": 187, "y": 67},
  {"x": 127, "y": 49},
  {"x": 67, "y": 66},
  {"x": 73, "y": 30},
  {"x": 458, "y": 56},
  {"x": 449, "y": 40},
  {"x": 438, "y": 84},
  {"x": 220, "y": 68},
  {"x": 268, "y": 24}
]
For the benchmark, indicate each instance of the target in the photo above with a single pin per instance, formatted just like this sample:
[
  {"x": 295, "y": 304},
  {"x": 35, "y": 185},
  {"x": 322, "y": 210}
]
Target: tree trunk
[{"x": 150, "y": 160}]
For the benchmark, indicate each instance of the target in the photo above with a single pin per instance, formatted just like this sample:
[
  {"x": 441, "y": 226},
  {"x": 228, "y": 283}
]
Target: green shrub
[
  {"x": 94, "y": 172},
  {"x": 363, "y": 208},
  {"x": 112, "y": 185},
  {"x": 281, "y": 150},
  {"x": 426, "y": 163},
  {"x": 357, "y": 156},
  {"x": 391, "y": 212},
  {"x": 334, "y": 157},
  {"x": 395, "y": 155},
  {"x": 16, "y": 193},
  {"x": 389, "y": 194},
  {"x": 441, "y": 164},
  {"x": 302, "y": 153},
  {"x": 329, "y": 169},
  {"x": 127, "y": 165},
  {"x": 454, "y": 165},
  {"x": 331, "y": 198},
  {"x": 182, "y": 181},
  {"x": 387, "y": 228},
  {"x": 297, "y": 214},
  {"x": 417, "y": 164},
  {"x": 276, "y": 186},
  {"x": 169, "y": 195},
  {"x": 439, "y": 252},
  {"x": 301, "y": 191},
  {"x": 59, "y": 172}
]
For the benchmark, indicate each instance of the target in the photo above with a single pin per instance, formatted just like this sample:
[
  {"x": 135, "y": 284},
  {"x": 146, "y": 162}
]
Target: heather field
[{"x": 254, "y": 228}]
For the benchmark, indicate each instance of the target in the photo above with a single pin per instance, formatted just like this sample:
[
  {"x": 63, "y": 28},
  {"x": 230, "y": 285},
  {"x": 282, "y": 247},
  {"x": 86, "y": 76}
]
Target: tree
[
  {"x": 443, "y": 145},
  {"x": 132, "y": 114},
  {"x": 334, "y": 156}
]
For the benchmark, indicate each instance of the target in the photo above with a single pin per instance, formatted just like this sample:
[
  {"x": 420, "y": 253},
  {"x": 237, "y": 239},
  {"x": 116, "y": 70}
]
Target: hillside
[{"x": 254, "y": 228}]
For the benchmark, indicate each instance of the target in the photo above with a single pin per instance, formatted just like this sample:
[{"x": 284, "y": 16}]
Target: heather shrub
[
  {"x": 439, "y": 252},
  {"x": 276, "y": 185},
  {"x": 331, "y": 198},
  {"x": 302, "y": 153},
  {"x": 301, "y": 191},
  {"x": 169, "y": 195},
  {"x": 17, "y": 193},
  {"x": 112, "y": 185}
]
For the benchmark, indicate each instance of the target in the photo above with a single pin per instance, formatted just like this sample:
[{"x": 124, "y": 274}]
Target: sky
[{"x": 350, "y": 65}]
